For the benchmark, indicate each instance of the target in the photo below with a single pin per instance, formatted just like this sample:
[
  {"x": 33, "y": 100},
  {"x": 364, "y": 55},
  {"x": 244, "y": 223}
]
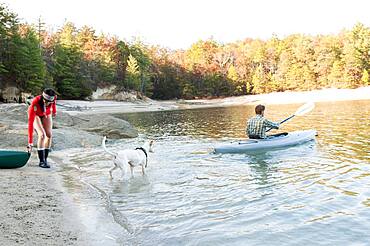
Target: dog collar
[{"x": 146, "y": 155}]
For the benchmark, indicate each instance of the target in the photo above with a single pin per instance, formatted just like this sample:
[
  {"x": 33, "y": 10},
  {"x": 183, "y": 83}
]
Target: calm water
[{"x": 313, "y": 194}]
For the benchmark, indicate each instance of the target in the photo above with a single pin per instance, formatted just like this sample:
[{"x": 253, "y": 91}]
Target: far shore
[{"x": 74, "y": 107}]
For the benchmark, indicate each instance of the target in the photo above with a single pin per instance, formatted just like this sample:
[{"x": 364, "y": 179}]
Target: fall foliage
[{"x": 77, "y": 60}]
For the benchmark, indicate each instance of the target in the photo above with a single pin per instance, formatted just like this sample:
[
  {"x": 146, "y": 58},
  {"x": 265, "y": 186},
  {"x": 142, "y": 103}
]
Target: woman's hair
[
  {"x": 49, "y": 91},
  {"x": 259, "y": 109}
]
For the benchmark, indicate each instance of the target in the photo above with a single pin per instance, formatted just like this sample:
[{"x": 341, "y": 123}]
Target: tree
[
  {"x": 244, "y": 67},
  {"x": 71, "y": 82},
  {"x": 365, "y": 78},
  {"x": 28, "y": 67},
  {"x": 233, "y": 77},
  {"x": 336, "y": 76},
  {"x": 121, "y": 57},
  {"x": 260, "y": 80},
  {"x": 133, "y": 73},
  {"x": 140, "y": 52},
  {"x": 356, "y": 54},
  {"x": 8, "y": 28}
]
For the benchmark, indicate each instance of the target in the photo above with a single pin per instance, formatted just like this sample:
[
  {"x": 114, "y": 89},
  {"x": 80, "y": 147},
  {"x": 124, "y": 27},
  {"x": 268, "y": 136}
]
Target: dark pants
[
  {"x": 277, "y": 135},
  {"x": 269, "y": 136}
]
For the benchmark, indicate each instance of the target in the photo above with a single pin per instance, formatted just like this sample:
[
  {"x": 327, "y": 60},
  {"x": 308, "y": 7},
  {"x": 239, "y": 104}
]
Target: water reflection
[
  {"x": 221, "y": 122},
  {"x": 261, "y": 170},
  {"x": 137, "y": 184}
]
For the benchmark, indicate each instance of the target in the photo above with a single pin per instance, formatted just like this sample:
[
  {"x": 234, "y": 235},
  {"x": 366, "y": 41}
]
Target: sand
[{"x": 36, "y": 209}]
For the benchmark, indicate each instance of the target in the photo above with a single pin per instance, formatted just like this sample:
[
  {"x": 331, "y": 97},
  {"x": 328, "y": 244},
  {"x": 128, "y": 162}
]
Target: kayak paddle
[{"x": 304, "y": 109}]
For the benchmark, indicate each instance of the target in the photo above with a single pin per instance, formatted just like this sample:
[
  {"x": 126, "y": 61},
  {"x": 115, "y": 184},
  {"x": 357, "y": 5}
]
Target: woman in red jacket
[{"x": 40, "y": 113}]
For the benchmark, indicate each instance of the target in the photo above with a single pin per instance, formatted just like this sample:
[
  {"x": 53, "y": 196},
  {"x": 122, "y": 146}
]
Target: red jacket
[{"x": 38, "y": 108}]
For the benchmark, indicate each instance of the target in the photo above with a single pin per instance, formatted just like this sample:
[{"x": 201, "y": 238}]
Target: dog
[{"x": 130, "y": 157}]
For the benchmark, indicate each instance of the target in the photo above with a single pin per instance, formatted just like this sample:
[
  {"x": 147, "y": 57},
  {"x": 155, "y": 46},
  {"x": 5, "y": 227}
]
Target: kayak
[
  {"x": 13, "y": 158},
  {"x": 269, "y": 143}
]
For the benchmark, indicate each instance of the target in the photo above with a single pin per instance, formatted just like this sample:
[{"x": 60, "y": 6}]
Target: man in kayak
[
  {"x": 39, "y": 118},
  {"x": 256, "y": 126}
]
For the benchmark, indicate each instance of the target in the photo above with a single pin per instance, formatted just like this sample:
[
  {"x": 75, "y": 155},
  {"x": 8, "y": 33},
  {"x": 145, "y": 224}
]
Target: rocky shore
[{"x": 68, "y": 131}]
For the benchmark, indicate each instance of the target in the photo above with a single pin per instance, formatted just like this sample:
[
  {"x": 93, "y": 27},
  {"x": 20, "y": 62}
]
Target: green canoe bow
[{"x": 13, "y": 158}]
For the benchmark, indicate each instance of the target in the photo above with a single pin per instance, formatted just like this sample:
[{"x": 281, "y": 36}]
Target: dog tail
[{"x": 105, "y": 148}]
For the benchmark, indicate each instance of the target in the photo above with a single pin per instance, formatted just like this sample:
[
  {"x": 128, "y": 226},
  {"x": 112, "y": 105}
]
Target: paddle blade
[{"x": 304, "y": 109}]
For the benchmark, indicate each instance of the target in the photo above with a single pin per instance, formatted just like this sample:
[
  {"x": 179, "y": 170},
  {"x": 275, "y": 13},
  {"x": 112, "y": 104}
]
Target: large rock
[
  {"x": 69, "y": 131},
  {"x": 114, "y": 93},
  {"x": 16, "y": 112},
  {"x": 73, "y": 138},
  {"x": 105, "y": 93},
  {"x": 15, "y": 136},
  {"x": 63, "y": 119},
  {"x": 105, "y": 125},
  {"x": 10, "y": 94}
]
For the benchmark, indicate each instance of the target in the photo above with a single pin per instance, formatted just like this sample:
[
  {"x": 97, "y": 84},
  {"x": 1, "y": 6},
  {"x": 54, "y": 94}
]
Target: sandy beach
[{"x": 37, "y": 208}]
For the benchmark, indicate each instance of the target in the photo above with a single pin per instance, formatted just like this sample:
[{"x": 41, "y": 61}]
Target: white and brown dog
[{"x": 130, "y": 157}]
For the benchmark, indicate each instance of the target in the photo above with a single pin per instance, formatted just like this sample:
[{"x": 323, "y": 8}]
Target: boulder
[
  {"x": 10, "y": 94},
  {"x": 17, "y": 112},
  {"x": 73, "y": 138},
  {"x": 69, "y": 131},
  {"x": 13, "y": 136},
  {"x": 114, "y": 93},
  {"x": 105, "y": 125},
  {"x": 104, "y": 93}
]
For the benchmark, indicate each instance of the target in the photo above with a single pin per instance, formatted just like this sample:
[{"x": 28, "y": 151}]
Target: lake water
[{"x": 317, "y": 193}]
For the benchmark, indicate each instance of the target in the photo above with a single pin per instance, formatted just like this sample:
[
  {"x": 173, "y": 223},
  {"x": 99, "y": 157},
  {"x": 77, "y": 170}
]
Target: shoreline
[{"x": 75, "y": 107}]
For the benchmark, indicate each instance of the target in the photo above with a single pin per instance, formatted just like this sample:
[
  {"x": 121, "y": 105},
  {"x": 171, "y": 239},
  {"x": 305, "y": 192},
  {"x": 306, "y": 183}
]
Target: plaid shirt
[{"x": 257, "y": 125}]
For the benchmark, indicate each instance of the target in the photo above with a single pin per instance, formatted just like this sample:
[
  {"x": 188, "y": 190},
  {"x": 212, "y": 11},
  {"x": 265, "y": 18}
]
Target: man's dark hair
[{"x": 259, "y": 109}]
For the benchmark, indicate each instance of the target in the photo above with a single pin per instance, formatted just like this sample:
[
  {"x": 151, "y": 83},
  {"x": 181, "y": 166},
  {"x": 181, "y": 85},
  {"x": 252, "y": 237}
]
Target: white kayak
[{"x": 290, "y": 139}]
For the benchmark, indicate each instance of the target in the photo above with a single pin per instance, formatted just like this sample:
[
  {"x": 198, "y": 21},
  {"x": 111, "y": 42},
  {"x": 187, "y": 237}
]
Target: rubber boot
[
  {"x": 41, "y": 153},
  {"x": 47, "y": 153},
  {"x": 46, "y": 156}
]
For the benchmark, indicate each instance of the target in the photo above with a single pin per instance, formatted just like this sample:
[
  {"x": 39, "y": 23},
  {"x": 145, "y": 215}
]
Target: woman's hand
[{"x": 29, "y": 147}]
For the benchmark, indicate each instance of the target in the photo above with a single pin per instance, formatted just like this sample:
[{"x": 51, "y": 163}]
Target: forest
[{"x": 75, "y": 61}]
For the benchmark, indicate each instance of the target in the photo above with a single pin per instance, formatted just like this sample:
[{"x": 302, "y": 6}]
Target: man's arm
[{"x": 270, "y": 124}]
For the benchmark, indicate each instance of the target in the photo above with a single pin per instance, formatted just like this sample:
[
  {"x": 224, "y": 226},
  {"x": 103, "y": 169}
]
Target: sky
[{"x": 177, "y": 24}]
